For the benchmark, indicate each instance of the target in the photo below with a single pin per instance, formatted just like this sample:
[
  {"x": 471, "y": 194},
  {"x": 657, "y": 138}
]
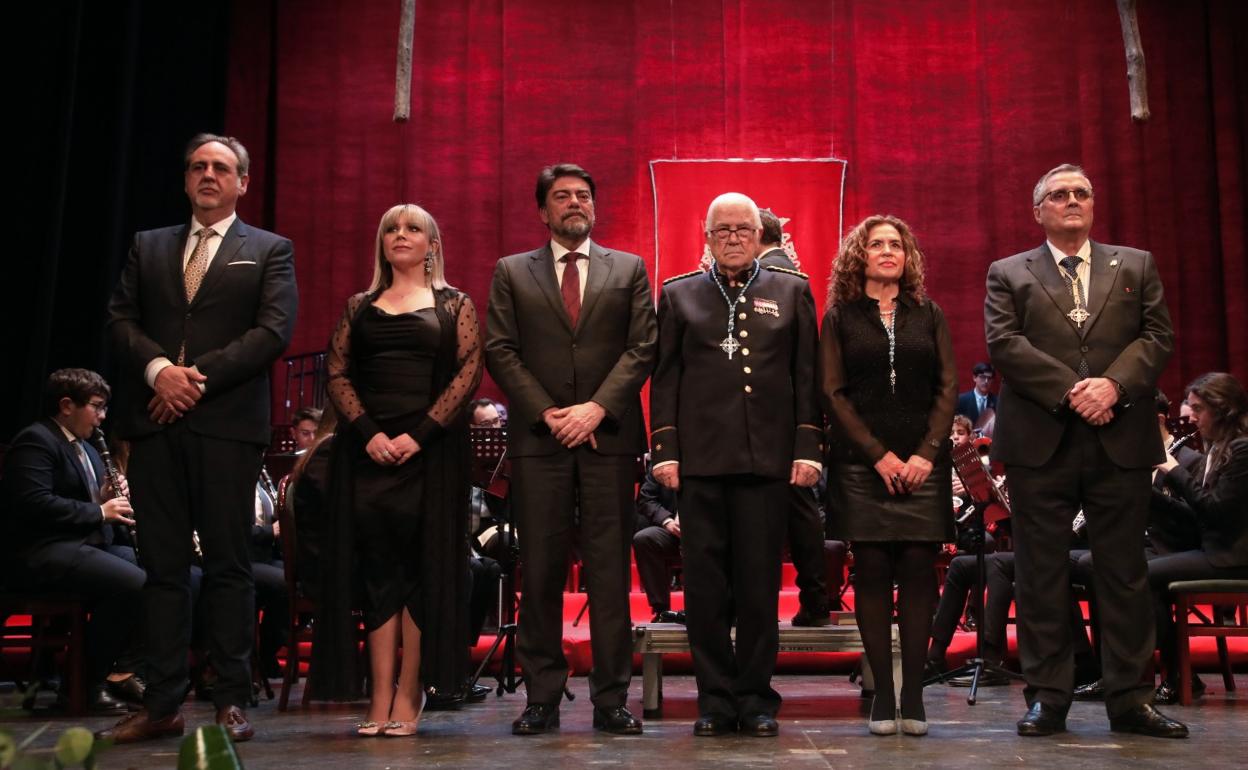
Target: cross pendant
[
  {"x": 1078, "y": 315},
  {"x": 729, "y": 346}
]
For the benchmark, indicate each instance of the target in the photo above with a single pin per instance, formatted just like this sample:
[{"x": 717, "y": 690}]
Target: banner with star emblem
[{"x": 804, "y": 193}]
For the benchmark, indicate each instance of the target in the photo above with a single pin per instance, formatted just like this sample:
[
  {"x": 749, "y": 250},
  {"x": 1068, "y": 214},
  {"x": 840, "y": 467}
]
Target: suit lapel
[
  {"x": 1104, "y": 276},
  {"x": 600, "y": 265},
  {"x": 233, "y": 241},
  {"x": 542, "y": 266},
  {"x": 68, "y": 454},
  {"x": 176, "y": 248},
  {"x": 1042, "y": 266}
]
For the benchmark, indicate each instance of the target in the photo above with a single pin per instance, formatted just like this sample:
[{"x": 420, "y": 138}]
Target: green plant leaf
[
  {"x": 74, "y": 746},
  {"x": 208, "y": 748},
  {"x": 8, "y": 748}
]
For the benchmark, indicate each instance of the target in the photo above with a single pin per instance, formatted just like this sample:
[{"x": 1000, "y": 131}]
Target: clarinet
[{"x": 113, "y": 478}]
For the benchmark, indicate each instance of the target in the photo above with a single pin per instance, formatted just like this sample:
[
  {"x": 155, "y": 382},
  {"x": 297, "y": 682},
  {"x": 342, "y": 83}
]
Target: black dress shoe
[
  {"x": 102, "y": 702},
  {"x": 1090, "y": 691},
  {"x": 1146, "y": 720},
  {"x": 816, "y": 617},
  {"x": 760, "y": 726},
  {"x": 669, "y": 616},
  {"x": 437, "y": 700},
  {"x": 1041, "y": 720},
  {"x": 478, "y": 693},
  {"x": 618, "y": 720},
  {"x": 711, "y": 725},
  {"x": 986, "y": 679},
  {"x": 129, "y": 690},
  {"x": 536, "y": 719},
  {"x": 1167, "y": 693}
]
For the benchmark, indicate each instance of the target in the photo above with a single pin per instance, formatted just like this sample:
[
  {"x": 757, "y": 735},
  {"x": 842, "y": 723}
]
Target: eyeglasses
[
  {"x": 100, "y": 407},
  {"x": 722, "y": 234},
  {"x": 1060, "y": 196}
]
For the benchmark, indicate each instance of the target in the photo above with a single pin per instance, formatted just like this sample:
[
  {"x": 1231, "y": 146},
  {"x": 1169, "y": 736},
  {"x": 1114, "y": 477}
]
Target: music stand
[
  {"x": 982, "y": 491},
  {"x": 489, "y": 451}
]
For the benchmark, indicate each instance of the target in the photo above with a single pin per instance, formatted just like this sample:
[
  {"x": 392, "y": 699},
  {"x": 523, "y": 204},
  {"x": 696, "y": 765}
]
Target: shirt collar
[
  {"x": 70, "y": 437},
  {"x": 1084, "y": 252},
  {"x": 558, "y": 249},
  {"x": 220, "y": 228}
]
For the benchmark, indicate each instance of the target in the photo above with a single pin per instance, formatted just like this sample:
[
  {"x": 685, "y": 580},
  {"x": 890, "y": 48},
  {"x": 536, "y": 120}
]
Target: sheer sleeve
[
  {"x": 468, "y": 370},
  {"x": 834, "y": 396},
  {"x": 945, "y": 388},
  {"x": 340, "y": 389}
]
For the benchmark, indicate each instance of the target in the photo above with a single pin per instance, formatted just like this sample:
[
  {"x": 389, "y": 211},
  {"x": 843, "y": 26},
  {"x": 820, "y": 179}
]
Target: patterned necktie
[
  {"x": 197, "y": 265},
  {"x": 1070, "y": 268},
  {"x": 571, "y": 288}
]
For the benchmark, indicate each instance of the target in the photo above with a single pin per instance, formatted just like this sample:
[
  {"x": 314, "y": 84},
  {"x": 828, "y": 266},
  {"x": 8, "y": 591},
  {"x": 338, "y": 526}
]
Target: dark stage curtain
[
  {"x": 946, "y": 112},
  {"x": 105, "y": 97}
]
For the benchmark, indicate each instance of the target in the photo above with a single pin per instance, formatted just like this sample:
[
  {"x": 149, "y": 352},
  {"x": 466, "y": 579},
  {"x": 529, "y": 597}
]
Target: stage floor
[{"x": 822, "y": 724}]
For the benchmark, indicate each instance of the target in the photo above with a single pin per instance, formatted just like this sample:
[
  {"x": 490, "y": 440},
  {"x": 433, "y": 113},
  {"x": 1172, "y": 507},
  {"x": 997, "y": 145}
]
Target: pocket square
[{"x": 242, "y": 262}]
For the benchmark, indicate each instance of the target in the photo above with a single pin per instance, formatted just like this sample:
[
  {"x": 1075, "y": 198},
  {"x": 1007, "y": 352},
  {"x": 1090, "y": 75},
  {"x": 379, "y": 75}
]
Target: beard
[{"x": 573, "y": 227}]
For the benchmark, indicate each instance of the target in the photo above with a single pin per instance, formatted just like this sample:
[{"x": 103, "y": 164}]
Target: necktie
[
  {"x": 93, "y": 484},
  {"x": 571, "y": 288},
  {"x": 193, "y": 275},
  {"x": 1070, "y": 267}
]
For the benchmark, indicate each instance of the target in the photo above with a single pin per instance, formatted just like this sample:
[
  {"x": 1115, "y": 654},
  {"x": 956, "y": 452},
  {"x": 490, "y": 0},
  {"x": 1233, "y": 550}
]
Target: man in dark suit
[
  {"x": 806, "y": 526},
  {"x": 735, "y": 423},
  {"x": 656, "y": 547},
  {"x": 60, "y": 514},
  {"x": 571, "y": 341},
  {"x": 979, "y": 404},
  {"x": 1080, "y": 332},
  {"x": 201, "y": 313}
]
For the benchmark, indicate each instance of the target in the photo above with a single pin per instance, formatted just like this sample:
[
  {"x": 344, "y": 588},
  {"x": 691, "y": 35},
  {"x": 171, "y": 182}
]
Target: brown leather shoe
[
  {"x": 235, "y": 723},
  {"x": 140, "y": 726}
]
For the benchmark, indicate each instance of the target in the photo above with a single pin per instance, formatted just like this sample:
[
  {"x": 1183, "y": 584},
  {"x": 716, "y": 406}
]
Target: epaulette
[
  {"x": 778, "y": 269},
  {"x": 689, "y": 274}
]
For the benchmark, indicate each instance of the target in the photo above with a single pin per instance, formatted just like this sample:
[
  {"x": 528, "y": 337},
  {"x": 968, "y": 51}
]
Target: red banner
[{"x": 804, "y": 194}]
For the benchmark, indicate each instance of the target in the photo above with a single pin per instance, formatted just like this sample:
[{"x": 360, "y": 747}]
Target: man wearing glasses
[
  {"x": 61, "y": 515},
  {"x": 735, "y": 421},
  {"x": 979, "y": 404},
  {"x": 1080, "y": 332}
]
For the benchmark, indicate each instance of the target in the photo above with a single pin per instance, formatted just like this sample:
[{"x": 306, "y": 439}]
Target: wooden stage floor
[{"x": 822, "y": 725}]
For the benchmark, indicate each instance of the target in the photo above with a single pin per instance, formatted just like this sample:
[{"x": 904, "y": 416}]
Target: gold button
[
  {"x": 748, "y": 389},
  {"x": 742, "y": 316},
  {"x": 748, "y": 370},
  {"x": 745, "y": 351},
  {"x": 658, "y": 447},
  {"x": 744, "y": 333}
]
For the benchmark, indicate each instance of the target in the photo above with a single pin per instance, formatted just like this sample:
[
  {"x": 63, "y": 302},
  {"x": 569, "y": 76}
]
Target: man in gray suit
[
  {"x": 571, "y": 340},
  {"x": 1081, "y": 333}
]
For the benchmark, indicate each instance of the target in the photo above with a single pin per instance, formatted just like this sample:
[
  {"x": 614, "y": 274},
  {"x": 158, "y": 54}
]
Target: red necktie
[{"x": 571, "y": 288}]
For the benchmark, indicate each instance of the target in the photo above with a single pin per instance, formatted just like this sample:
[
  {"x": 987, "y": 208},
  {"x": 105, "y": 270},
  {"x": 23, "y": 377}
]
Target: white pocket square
[{"x": 242, "y": 262}]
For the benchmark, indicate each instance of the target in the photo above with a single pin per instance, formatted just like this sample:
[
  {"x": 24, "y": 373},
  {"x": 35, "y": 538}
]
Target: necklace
[
  {"x": 889, "y": 320},
  {"x": 729, "y": 344}
]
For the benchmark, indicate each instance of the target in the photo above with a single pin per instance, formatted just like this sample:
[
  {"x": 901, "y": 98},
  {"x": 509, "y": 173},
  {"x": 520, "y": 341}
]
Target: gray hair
[
  {"x": 733, "y": 199},
  {"x": 1037, "y": 194},
  {"x": 236, "y": 147}
]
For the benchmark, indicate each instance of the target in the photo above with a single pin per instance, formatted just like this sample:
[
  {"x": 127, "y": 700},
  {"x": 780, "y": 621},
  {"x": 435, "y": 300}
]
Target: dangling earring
[{"x": 429, "y": 263}]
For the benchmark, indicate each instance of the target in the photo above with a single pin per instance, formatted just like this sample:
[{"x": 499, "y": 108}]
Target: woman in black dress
[
  {"x": 403, "y": 361},
  {"x": 889, "y": 386},
  {"x": 1210, "y": 495}
]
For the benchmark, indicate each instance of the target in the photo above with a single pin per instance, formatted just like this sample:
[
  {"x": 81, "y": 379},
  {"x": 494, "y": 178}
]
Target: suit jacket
[
  {"x": 776, "y": 257},
  {"x": 968, "y": 405},
  {"x": 1219, "y": 509},
  {"x": 655, "y": 503},
  {"x": 50, "y": 513},
  {"x": 1033, "y": 344},
  {"x": 238, "y": 324},
  {"x": 540, "y": 361},
  {"x": 754, "y": 413}
]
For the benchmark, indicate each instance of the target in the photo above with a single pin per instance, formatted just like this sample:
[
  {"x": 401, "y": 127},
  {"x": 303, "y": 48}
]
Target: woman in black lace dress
[
  {"x": 403, "y": 362},
  {"x": 889, "y": 385}
]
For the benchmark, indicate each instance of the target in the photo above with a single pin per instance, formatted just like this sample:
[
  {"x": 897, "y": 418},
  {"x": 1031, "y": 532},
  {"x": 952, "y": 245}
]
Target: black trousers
[
  {"x": 656, "y": 551},
  {"x": 806, "y": 548},
  {"x": 547, "y": 494},
  {"x": 1166, "y": 569},
  {"x": 181, "y": 481},
  {"x": 108, "y": 579},
  {"x": 273, "y": 602},
  {"x": 1115, "y": 501},
  {"x": 733, "y": 532}
]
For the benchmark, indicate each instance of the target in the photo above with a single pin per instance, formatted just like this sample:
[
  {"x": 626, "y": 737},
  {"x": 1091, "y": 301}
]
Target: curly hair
[
  {"x": 846, "y": 282},
  {"x": 1227, "y": 400}
]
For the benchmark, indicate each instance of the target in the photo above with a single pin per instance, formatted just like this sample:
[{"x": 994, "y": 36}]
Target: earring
[{"x": 429, "y": 263}]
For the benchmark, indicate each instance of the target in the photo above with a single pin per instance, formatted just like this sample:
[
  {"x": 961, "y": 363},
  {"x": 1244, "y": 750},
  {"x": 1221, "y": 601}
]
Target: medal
[
  {"x": 729, "y": 344},
  {"x": 1078, "y": 315}
]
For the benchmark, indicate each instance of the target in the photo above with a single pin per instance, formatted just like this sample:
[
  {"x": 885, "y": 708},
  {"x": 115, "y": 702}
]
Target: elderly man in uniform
[{"x": 735, "y": 422}]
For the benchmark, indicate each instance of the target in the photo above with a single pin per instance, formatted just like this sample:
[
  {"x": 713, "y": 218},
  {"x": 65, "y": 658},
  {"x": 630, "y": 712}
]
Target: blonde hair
[{"x": 383, "y": 273}]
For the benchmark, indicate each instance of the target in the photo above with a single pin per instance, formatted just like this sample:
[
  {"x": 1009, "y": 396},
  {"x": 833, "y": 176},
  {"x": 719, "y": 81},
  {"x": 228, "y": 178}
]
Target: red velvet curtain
[{"x": 946, "y": 113}]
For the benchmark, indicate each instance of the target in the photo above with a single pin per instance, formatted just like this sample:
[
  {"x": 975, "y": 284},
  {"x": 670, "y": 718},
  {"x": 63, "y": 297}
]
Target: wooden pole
[
  {"x": 403, "y": 67},
  {"x": 1137, "y": 76}
]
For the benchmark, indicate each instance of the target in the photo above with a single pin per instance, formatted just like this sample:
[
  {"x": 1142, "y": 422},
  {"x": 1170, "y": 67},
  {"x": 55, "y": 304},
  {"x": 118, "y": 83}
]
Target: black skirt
[{"x": 859, "y": 506}]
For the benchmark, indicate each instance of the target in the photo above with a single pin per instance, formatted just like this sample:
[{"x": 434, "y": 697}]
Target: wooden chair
[
  {"x": 45, "y": 634},
  {"x": 1219, "y": 593}
]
